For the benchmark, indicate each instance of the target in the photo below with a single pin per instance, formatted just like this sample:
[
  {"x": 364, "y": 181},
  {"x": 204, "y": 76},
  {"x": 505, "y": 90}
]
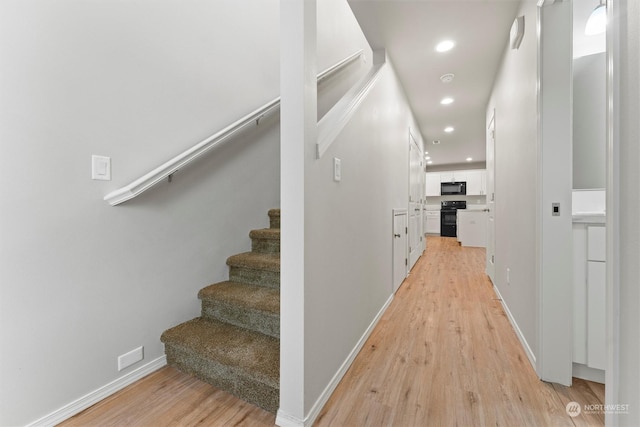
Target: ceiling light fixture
[
  {"x": 449, "y": 129},
  {"x": 429, "y": 162},
  {"x": 469, "y": 159},
  {"x": 427, "y": 158},
  {"x": 597, "y": 22},
  {"x": 435, "y": 142},
  {"x": 446, "y": 101},
  {"x": 445, "y": 46}
]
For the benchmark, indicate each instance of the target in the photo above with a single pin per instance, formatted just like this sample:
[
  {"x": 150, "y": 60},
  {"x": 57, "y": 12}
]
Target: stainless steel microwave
[{"x": 459, "y": 188}]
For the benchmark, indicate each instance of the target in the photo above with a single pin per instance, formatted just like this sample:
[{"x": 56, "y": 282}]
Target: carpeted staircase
[{"x": 235, "y": 343}]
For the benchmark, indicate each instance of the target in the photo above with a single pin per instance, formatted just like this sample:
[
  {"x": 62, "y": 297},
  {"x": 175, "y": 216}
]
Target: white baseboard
[
  {"x": 96, "y": 396},
  {"x": 285, "y": 420},
  {"x": 587, "y": 373},
  {"x": 516, "y": 328}
]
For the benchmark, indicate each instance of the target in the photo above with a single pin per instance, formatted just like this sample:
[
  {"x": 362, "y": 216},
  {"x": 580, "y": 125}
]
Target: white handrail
[{"x": 170, "y": 167}]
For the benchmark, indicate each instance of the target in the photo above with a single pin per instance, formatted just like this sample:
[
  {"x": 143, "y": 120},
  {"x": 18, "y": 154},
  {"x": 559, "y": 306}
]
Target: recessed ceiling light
[
  {"x": 427, "y": 158},
  {"x": 426, "y": 152},
  {"x": 446, "y": 101},
  {"x": 429, "y": 162},
  {"x": 449, "y": 129},
  {"x": 469, "y": 159},
  {"x": 445, "y": 45},
  {"x": 447, "y": 78},
  {"x": 435, "y": 142}
]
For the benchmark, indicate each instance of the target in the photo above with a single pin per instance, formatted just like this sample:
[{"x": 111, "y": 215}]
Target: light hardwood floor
[{"x": 443, "y": 354}]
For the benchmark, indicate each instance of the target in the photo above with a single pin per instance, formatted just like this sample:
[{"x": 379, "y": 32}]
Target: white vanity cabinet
[
  {"x": 596, "y": 293},
  {"x": 589, "y": 291}
]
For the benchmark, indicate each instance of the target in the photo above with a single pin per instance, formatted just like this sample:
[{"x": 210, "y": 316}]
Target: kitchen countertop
[
  {"x": 476, "y": 208},
  {"x": 589, "y": 217}
]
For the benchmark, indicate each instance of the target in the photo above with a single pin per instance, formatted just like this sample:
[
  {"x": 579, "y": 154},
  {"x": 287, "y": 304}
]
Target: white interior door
[
  {"x": 491, "y": 202},
  {"x": 416, "y": 191},
  {"x": 400, "y": 258}
]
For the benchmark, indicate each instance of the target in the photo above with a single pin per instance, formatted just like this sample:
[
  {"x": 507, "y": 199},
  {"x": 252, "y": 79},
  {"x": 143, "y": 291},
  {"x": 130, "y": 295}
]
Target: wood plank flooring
[{"x": 443, "y": 354}]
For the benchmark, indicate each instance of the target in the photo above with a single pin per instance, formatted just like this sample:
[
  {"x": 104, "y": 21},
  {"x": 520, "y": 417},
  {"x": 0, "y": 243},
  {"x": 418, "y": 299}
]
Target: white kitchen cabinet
[
  {"x": 459, "y": 176},
  {"x": 446, "y": 176},
  {"x": 477, "y": 182},
  {"x": 432, "y": 184},
  {"x": 433, "y": 222},
  {"x": 453, "y": 176}
]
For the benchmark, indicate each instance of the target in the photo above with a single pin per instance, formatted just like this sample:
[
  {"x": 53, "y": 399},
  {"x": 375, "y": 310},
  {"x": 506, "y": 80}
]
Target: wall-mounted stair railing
[{"x": 168, "y": 168}]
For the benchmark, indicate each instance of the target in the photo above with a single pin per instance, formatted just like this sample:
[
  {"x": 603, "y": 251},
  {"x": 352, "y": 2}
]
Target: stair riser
[
  {"x": 274, "y": 221},
  {"x": 270, "y": 279},
  {"x": 265, "y": 246},
  {"x": 259, "y": 321},
  {"x": 237, "y": 383}
]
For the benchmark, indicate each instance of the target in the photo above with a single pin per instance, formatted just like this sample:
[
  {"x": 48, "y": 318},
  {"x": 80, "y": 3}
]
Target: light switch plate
[
  {"x": 101, "y": 168},
  {"x": 337, "y": 169},
  {"x": 555, "y": 209}
]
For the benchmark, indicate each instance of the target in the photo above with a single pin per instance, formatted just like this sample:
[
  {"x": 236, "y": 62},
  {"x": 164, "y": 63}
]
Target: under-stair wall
[{"x": 83, "y": 282}]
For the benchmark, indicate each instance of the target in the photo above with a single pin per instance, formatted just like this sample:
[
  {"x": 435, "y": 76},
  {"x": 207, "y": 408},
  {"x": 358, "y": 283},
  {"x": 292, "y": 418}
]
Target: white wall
[
  {"x": 140, "y": 81},
  {"x": 338, "y": 36},
  {"x": 348, "y": 229},
  {"x": 514, "y": 99},
  {"x": 309, "y": 361}
]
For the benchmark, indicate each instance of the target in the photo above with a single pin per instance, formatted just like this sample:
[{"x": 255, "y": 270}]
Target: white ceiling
[{"x": 410, "y": 30}]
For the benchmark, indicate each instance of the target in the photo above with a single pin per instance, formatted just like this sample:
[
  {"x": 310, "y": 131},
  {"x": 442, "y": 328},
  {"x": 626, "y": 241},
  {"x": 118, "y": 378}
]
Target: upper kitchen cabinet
[
  {"x": 453, "y": 176},
  {"x": 432, "y": 184},
  {"x": 477, "y": 182}
]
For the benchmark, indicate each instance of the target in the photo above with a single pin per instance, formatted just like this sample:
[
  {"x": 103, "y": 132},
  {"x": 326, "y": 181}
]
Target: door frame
[
  {"x": 491, "y": 237},
  {"x": 399, "y": 212},
  {"x": 420, "y": 202}
]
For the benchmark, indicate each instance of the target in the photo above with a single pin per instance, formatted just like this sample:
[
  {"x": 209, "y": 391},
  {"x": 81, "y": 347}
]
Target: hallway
[{"x": 443, "y": 354}]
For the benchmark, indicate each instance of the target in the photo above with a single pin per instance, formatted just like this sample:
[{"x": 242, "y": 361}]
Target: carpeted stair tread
[
  {"x": 256, "y": 261},
  {"x": 265, "y": 233},
  {"x": 247, "y": 354},
  {"x": 274, "y": 218},
  {"x": 252, "y": 307},
  {"x": 266, "y": 240},
  {"x": 241, "y": 294},
  {"x": 235, "y": 344}
]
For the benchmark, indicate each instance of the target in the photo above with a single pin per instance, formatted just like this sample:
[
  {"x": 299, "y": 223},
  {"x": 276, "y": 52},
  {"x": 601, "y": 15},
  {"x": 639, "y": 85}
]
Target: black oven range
[{"x": 448, "y": 216}]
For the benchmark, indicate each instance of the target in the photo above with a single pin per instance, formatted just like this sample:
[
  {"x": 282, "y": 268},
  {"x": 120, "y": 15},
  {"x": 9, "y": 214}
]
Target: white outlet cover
[{"x": 128, "y": 359}]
